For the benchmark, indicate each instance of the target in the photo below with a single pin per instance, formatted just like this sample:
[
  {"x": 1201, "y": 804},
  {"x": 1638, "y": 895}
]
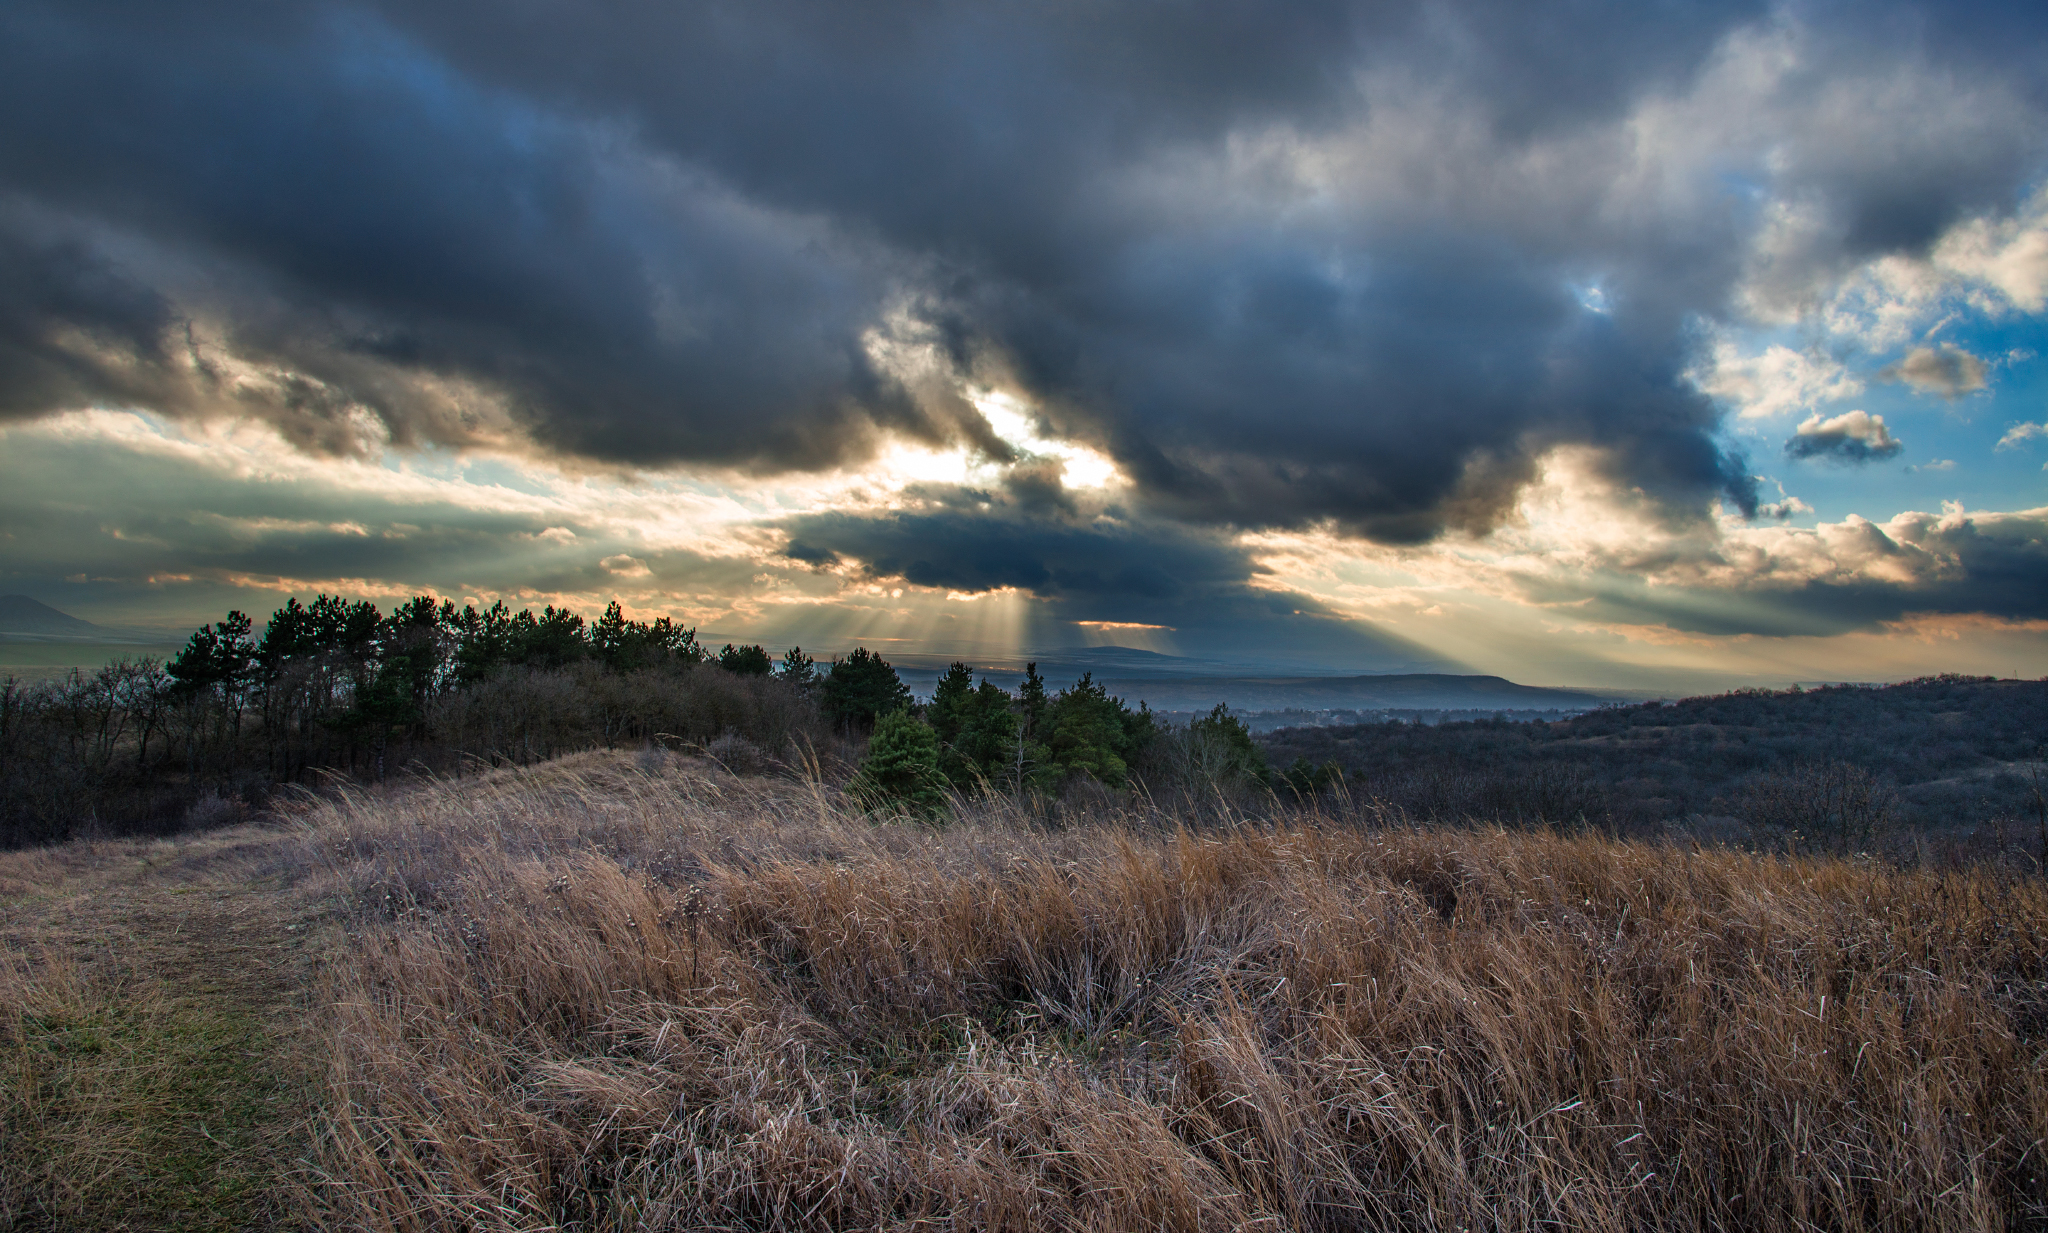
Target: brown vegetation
[
  {"x": 152, "y": 996},
  {"x": 609, "y": 993}
]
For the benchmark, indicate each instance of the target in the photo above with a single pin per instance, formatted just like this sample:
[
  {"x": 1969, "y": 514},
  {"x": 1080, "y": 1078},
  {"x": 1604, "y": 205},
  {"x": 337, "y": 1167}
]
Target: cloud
[
  {"x": 1775, "y": 382},
  {"x": 1939, "y": 464},
  {"x": 2019, "y": 434},
  {"x": 1857, "y": 573},
  {"x": 1583, "y": 551},
  {"x": 2007, "y": 255},
  {"x": 1948, "y": 371},
  {"x": 243, "y": 518},
  {"x": 1851, "y": 437},
  {"x": 1097, "y": 568},
  {"x": 1327, "y": 266},
  {"x": 1783, "y": 509},
  {"x": 1990, "y": 265}
]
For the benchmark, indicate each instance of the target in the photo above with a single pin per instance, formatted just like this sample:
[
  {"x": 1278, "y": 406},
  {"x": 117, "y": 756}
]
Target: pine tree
[
  {"x": 901, "y": 769},
  {"x": 861, "y": 688}
]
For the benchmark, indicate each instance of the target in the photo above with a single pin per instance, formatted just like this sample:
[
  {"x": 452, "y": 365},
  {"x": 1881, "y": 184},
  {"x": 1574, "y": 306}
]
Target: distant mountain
[
  {"x": 21, "y": 615},
  {"x": 1165, "y": 689},
  {"x": 1408, "y": 691},
  {"x": 1060, "y": 665}
]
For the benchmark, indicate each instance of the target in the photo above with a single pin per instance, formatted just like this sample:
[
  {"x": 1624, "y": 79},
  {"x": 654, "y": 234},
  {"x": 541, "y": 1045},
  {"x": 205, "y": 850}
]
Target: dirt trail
[{"x": 152, "y": 1071}]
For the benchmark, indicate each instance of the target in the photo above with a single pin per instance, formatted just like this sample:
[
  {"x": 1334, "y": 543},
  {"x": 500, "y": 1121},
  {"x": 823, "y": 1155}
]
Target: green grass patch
[{"x": 137, "y": 1112}]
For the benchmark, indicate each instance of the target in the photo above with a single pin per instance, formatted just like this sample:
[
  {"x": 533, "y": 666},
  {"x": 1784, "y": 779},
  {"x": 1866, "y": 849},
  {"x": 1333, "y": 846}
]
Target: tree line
[{"x": 340, "y": 688}]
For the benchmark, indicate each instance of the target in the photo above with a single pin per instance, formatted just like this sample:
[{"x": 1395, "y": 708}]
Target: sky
[{"x": 1672, "y": 346}]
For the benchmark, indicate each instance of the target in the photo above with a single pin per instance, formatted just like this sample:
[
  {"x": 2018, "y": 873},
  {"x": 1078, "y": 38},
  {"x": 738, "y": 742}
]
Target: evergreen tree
[
  {"x": 552, "y": 641},
  {"x": 1088, "y": 732},
  {"x": 977, "y": 729},
  {"x": 951, "y": 703},
  {"x": 987, "y": 739},
  {"x": 901, "y": 769},
  {"x": 1309, "y": 781},
  {"x": 218, "y": 661},
  {"x": 798, "y": 670},
  {"x": 745, "y": 660},
  {"x": 1031, "y": 696},
  {"x": 485, "y": 641},
  {"x": 1223, "y": 753},
  {"x": 612, "y": 636},
  {"x": 861, "y": 688}
]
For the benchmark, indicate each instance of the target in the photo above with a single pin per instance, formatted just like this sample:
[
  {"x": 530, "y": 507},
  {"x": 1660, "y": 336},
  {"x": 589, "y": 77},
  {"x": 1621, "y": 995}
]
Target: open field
[{"x": 619, "y": 992}]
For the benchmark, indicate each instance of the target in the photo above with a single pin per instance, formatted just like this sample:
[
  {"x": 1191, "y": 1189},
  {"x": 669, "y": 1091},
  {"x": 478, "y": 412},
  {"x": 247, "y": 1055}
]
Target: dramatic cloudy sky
[{"x": 1658, "y": 344}]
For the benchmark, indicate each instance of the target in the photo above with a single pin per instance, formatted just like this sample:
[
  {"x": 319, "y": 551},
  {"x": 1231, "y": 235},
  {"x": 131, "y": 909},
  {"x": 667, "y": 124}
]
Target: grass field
[
  {"x": 619, "y": 993},
  {"x": 156, "y": 1071}
]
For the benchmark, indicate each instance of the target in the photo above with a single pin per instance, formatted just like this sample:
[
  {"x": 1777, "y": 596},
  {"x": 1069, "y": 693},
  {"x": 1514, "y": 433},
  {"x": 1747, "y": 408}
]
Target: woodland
[{"x": 337, "y": 692}]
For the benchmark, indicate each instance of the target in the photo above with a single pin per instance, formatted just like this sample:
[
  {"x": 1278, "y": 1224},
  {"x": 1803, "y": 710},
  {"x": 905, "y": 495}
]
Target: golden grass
[{"x": 590, "y": 996}]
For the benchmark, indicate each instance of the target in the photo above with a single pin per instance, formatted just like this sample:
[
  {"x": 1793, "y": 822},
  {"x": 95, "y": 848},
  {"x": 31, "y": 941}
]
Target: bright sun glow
[{"x": 1082, "y": 467}]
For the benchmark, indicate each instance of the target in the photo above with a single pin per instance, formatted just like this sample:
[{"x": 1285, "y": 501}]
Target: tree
[
  {"x": 987, "y": 740},
  {"x": 212, "y": 678},
  {"x": 798, "y": 670},
  {"x": 1031, "y": 697},
  {"x": 902, "y": 766},
  {"x": 1222, "y": 752},
  {"x": 861, "y": 688},
  {"x": 977, "y": 728},
  {"x": 1309, "y": 781},
  {"x": 555, "y": 640},
  {"x": 745, "y": 660},
  {"x": 485, "y": 641},
  {"x": 612, "y": 636},
  {"x": 952, "y": 700},
  {"x": 1093, "y": 733}
]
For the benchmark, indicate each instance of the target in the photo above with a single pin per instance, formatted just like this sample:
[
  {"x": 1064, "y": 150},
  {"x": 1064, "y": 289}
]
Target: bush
[{"x": 1835, "y": 805}]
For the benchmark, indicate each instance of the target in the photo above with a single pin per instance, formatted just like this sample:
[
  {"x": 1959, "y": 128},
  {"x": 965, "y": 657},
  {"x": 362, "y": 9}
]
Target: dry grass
[
  {"x": 146, "y": 1016},
  {"x": 592, "y": 996}
]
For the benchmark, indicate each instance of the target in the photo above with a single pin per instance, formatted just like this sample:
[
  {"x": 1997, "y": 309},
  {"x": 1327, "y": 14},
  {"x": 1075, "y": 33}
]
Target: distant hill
[
  {"x": 1957, "y": 751},
  {"x": 1137, "y": 676},
  {"x": 21, "y": 615},
  {"x": 1411, "y": 691}
]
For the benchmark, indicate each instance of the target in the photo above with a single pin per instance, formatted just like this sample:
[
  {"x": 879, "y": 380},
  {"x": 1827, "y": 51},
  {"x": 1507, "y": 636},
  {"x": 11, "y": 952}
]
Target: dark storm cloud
[
  {"x": 660, "y": 232},
  {"x": 360, "y": 213},
  {"x": 64, "y": 314},
  {"x": 1101, "y": 567}
]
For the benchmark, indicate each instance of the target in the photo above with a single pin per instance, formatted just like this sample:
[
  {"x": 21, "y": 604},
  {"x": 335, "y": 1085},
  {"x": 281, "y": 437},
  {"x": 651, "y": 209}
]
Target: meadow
[{"x": 619, "y": 991}]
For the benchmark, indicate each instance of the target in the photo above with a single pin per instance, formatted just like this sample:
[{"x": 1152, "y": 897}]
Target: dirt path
[{"x": 153, "y": 1001}]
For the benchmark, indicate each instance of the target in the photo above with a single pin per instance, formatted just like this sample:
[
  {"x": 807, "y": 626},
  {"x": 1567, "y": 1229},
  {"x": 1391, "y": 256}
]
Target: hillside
[
  {"x": 20, "y": 614},
  {"x": 623, "y": 992},
  {"x": 619, "y": 992},
  {"x": 1957, "y": 752}
]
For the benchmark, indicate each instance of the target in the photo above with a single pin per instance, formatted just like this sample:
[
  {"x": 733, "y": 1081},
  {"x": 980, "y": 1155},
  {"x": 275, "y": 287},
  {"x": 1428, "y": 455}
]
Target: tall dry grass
[{"x": 608, "y": 996}]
